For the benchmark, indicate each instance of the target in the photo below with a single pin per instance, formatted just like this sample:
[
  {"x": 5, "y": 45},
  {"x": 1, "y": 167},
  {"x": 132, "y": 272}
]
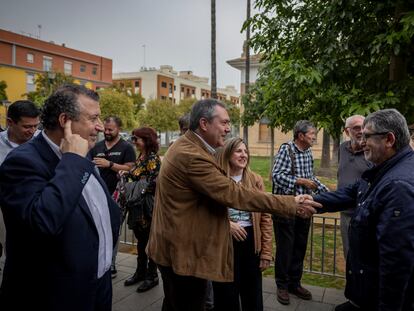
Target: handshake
[{"x": 305, "y": 205}]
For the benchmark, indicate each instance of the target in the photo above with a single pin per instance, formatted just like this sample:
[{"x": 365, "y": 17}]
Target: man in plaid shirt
[{"x": 292, "y": 175}]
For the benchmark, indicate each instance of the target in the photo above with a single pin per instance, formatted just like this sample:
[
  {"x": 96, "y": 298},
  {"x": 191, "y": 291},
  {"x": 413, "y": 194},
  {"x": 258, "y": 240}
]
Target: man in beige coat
[{"x": 190, "y": 238}]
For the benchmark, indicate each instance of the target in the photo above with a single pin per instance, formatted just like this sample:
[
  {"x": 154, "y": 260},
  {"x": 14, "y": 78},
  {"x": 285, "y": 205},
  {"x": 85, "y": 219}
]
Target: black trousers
[
  {"x": 247, "y": 285},
  {"x": 291, "y": 240},
  {"x": 182, "y": 293},
  {"x": 146, "y": 267}
]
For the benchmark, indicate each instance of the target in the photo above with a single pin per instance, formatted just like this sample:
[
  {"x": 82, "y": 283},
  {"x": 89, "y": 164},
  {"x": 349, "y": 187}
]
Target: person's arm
[
  {"x": 338, "y": 200},
  {"x": 395, "y": 236},
  {"x": 205, "y": 177},
  {"x": 282, "y": 171},
  {"x": 33, "y": 198}
]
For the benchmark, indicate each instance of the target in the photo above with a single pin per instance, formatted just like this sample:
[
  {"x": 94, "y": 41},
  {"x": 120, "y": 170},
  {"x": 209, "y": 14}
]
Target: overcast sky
[{"x": 174, "y": 32}]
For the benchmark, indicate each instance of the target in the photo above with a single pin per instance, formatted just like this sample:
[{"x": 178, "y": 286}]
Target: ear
[
  {"x": 346, "y": 131},
  {"x": 203, "y": 124},
  {"x": 390, "y": 140},
  {"x": 10, "y": 122},
  {"x": 62, "y": 119}
]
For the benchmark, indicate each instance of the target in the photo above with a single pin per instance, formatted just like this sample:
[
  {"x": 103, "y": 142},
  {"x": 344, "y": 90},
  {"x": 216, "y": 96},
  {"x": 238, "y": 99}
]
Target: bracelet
[{"x": 111, "y": 164}]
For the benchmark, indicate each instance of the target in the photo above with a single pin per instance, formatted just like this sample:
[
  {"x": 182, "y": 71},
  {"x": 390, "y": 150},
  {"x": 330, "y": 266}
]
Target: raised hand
[
  {"x": 73, "y": 142},
  {"x": 306, "y": 205},
  {"x": 237, "y": 231}
]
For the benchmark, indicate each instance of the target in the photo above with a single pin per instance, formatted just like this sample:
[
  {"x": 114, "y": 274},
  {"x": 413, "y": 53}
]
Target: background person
[
  {"x": 252, "y": 237},
  {"x": 147, "y": 167},
  {"x": 22, "y": 123},
  {"x": 293, "y": 174},
  {"x": 190, "y": 238},
  {"x": 58, "y": 212},
  {"x": 351, "y": 165},
  {"x": 112, "y": 155}
]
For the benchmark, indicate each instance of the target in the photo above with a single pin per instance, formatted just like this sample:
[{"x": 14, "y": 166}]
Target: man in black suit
[{"x": 61, "y": 221}]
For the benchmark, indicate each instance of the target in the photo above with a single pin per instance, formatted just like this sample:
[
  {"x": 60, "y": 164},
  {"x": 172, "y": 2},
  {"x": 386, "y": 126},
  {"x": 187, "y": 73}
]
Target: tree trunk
[
  {"x": 213, "y": 51},
  {"x": 272, "y": 150},
  {"x": 247, "y": 74},
  {"x": 335, "y": 151},
  {"x": 167, "y": 138},
  {"x": 326, "y": 159}
]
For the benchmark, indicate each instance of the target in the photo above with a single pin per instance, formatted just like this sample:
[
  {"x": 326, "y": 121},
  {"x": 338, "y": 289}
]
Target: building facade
[
  {"x": 165, "y": 83},
  {"x": 22, "y": 57},
  {"x": 259, "y": 134}
]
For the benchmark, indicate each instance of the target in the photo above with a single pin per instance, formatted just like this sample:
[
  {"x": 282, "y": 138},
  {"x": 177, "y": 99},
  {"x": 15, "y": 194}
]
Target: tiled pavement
[{"x": 126, "y": 298}]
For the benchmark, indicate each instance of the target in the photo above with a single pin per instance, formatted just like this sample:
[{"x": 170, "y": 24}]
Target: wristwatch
[{"x": 111, "y": 164}]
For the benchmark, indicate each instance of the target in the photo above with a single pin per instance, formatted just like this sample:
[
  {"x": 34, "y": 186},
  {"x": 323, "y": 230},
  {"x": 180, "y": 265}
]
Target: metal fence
[{"x": 324, "y": 253}]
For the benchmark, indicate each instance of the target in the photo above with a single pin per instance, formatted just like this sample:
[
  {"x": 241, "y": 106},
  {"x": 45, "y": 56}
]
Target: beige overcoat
[{"x": 190, "y": 229}]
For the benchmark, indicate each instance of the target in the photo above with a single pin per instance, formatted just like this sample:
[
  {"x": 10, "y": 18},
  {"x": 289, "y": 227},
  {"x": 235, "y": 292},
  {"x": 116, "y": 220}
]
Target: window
[
  {"x": 136, "y": 83},
  {"x": 30, "y": 82},
  {"x": 170, "y": 88},
  {"x": 193, "y": 92},
  {"x": 182, "y": 89},
  {"x": 82, "y": 68},
  {"x": 164, "y": 84},
  {"x": 47, "y": 63},
  {"x": 67, "y": 66},
  {"x": 94, "y": 70},
  {"x": 163, "y": 97},
  {"x": 30, "y": 58}
]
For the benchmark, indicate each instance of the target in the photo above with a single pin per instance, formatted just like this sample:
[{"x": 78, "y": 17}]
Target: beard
[{"x": 109, "y": 137}]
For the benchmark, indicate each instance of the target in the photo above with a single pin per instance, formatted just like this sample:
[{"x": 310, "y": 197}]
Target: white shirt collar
[
  {"x": 52, "y": 145},
  {"x": 209, "y": 148}
]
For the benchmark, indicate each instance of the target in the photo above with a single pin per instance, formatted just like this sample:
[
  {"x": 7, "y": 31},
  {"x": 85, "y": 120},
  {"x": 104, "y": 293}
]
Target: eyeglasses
[
  {"x": 355, "y": 128},
  {"x": 365, "y": 136}
]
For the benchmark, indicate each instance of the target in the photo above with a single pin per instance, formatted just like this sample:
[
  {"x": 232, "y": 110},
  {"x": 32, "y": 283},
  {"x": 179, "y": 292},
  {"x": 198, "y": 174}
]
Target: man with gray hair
[
  {"x": 190, "y": 236},
  {"x": 380, "y": 261},
  {"x": 351, "y": 165},
  {"x": 293, "y": 174}
]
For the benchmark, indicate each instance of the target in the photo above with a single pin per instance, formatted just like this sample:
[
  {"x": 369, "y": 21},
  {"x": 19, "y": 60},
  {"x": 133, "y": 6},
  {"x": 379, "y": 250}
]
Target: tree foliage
[
  {"x": 234, "y": 113},
  {"x": 327, "y": 59},
  {"x": 137, "y": 99},
  {"x": 159, "y": 114},
  {"x": 185, "y": 106},
  {"x": 119, "y": 104},
  {"x": 3, "y": 87},
  {"x": 46, "y": 83}
]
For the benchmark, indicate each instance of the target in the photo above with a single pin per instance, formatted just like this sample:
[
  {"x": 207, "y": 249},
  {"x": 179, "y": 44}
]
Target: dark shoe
[
  {"x": 301, "y": 292},
  {"x": 283, "y": 296},
  {"x": 134, "y": 279},
  {"x": 113, "y": 272},
  {"x": 347, "y": 306},
  {"x": 147, "y": 285}
]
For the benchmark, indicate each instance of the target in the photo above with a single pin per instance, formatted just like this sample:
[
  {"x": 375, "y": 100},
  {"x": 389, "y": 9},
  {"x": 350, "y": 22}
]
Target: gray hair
[
  {"x": 352, "y": 118},
  {"x": 302, "y": 126},
  {"x": 390, "y": 120},
  {"x": 203, "y": 109}
]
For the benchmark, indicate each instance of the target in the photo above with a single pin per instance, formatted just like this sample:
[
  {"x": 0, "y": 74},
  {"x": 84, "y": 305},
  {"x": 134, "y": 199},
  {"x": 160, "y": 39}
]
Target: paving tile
[
  {"x": 314, "y": 306},
  {"x": 334, "y": 296}
]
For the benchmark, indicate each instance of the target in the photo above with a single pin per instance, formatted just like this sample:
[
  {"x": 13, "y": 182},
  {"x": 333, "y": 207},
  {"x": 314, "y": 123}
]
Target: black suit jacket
[{"x": 52, "y": 242}]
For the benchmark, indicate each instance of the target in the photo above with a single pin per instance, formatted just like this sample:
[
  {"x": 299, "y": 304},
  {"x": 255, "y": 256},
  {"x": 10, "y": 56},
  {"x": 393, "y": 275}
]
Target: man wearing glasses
[
  {"x": 380, "y": 261},
  {"x": 351, "y": 165}
]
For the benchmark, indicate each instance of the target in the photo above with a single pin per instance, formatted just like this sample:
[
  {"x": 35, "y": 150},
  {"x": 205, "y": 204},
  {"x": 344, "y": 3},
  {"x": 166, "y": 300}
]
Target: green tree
[
  {"x": 234, "y": 113},
  {"x": 328, "y": 59},
  {"x": 137, "y": 99},
  {"x": 185, "y": 106},
  {"x": 3, "y": 87},
  {"x": 116, "y": 103},
  {"x": 46, "y": 83},
  {"x": 160, "y": 115}
]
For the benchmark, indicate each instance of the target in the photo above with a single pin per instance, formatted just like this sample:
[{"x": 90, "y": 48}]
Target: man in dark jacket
[{"x": 380, "y": 262}]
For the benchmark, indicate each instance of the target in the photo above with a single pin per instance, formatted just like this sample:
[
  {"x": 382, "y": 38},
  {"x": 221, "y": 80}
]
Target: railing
[{"x": 324, "y": 253}]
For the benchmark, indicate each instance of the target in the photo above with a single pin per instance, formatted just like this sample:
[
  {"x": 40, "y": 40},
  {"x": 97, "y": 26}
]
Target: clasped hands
[{"x": 305, "y": 206}]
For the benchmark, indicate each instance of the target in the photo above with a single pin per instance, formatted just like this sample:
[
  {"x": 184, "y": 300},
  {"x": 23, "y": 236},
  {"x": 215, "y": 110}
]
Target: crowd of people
[{"x": 200, "y": 216}]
